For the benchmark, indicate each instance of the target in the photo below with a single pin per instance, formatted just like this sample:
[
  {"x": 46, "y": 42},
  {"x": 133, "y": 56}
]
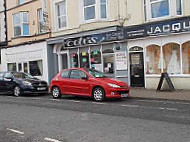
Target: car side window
[
  {"x": 1, "y": 76},
  {"x": 65, "y": 74},
  {"x": 77, "y": 74}
]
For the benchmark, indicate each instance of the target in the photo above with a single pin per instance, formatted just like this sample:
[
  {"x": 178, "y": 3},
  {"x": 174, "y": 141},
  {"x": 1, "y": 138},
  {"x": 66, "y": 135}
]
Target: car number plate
[
  {"x": 124, "y": 95},
  {"x": 41, "y": 88}
]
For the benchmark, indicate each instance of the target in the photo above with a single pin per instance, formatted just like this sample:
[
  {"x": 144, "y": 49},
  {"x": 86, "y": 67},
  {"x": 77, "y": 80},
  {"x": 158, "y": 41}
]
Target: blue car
[{"x": 18, "y": 83}]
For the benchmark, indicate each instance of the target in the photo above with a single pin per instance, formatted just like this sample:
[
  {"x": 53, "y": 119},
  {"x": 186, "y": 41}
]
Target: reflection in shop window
[
  {"x": 74, "y": 60},
  {"x": 95, "y": 58},
  {"x": 153, "y": 59},
  {"x": 186, "y": 58},
  {"x": 36, "y": 68},
  {"x": 11, "y": 66},
  {"x": 171, "y": 58},
  {"x": 84, "y": 60}
]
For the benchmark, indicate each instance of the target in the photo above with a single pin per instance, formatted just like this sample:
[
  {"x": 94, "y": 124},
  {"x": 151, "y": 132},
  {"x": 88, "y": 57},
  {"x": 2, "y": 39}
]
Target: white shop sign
[{"x": 121, "y": 60}]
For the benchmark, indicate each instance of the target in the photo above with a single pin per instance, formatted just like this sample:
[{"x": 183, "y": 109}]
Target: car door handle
[{"x": 136, "y": 75}]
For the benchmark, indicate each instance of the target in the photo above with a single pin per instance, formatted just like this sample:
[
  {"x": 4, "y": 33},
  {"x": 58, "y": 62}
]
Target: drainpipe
[{"x": 5, "y": 12}]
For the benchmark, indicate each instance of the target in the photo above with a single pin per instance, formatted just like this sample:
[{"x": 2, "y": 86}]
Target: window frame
[
  {"x": 147, "y": 13},
  {"x": 97, "y": 12},
  {"x": 57, "y": 17},
  {"x": 21, "y": 23}
]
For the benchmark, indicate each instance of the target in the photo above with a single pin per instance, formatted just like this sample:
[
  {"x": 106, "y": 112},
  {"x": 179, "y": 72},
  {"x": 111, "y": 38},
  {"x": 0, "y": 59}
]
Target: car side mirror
[{"x": 84, "y": 78}]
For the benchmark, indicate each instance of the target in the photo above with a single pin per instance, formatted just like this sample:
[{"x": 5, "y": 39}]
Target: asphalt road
[{"x": 73, "y": 119}]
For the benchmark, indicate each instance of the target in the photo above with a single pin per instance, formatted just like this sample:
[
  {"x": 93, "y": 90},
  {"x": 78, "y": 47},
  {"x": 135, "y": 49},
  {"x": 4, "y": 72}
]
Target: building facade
[
  {"x": 133, "y": 43},
  {"x": 28, "y": 27}
]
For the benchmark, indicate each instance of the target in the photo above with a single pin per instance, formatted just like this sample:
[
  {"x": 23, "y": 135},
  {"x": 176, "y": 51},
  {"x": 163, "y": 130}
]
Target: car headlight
[
  {"x": 113, "y": 85},
  {"x": 26, "y": 83}
]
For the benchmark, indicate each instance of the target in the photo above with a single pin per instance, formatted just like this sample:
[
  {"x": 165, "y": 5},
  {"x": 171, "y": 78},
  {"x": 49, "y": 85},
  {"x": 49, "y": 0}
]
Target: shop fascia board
[{"x": 59, "y": 40}]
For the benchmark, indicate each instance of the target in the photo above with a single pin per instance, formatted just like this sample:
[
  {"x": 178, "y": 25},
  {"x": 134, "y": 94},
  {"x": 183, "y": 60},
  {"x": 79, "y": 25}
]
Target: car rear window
[{"x": 65, "y": 74}]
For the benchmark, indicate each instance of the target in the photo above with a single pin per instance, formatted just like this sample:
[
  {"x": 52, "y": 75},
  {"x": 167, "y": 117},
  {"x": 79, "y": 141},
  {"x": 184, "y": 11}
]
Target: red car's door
[
  {"x": 63, "y": 82},
  {"x": 77, "y": 85}
]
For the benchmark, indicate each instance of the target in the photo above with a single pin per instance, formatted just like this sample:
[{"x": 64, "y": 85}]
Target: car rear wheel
[
  {"x": 98, "y": 94},
  {"x": 17, "y": 91},
  {"x": 56, "y": 93}
]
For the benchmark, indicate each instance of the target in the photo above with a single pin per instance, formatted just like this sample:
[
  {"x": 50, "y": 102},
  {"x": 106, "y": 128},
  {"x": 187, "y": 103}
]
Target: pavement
[{"x": 178, "y": 95}]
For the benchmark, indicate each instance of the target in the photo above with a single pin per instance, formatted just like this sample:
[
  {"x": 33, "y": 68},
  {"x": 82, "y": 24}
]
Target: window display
[
  {"x": 171, "y": 58},
  {"x": 186, "y": 58},
  {"x": 84, "y": 60},
  {"x": 74, "y": 60},
  {"x": 153, "y": 59},
  {"x": 108, "y": 59},
  {"x": 36, "y": 68},
  {"x": 95, "y": 58}
]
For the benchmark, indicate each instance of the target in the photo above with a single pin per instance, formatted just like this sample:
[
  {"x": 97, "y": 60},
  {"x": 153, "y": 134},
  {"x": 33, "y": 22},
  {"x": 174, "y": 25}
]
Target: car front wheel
[
  {"x": 98, "y": 94},
  {"x": 17, "y": 91},
  {"x": 56, "y": 93}
]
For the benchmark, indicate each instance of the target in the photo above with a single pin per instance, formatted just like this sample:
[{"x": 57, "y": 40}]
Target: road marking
[
  {"x": 51, "y": 140},
  {"x": 16, "y": 131},
  {"x": 98, "y": 103},
  {"x": 169, "y": 102},
  {"x": 74, "y": 101},
  {"x": 130, "y": 106}
]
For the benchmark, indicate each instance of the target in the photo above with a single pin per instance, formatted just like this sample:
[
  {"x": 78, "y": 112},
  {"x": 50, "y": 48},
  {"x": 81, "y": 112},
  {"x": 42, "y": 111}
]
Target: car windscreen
[
  {"x": 96, "y": 73},
  {"x": 22, "y": 75}
]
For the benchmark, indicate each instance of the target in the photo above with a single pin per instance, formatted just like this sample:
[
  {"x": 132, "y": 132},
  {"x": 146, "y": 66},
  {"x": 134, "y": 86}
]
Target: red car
[{"x": 87, "y": 82}]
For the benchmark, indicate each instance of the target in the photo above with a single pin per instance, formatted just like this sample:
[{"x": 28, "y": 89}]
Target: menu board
[{"x": 121, "y": 60}]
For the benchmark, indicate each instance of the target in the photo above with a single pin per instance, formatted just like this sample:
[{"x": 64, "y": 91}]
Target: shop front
[
  {"x": 29, "y": 58},
  {"x": 103, "y": 52},
  {"x": 160, "y": 47}
]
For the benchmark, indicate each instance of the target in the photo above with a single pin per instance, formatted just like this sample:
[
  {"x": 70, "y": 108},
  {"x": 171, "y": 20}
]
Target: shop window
[
  {"x": 186, "y": 58},
  {"x": 108, "y": 62},
  {"x": 36, "y": 68},
  {"x": 171, "y": 58},
  {"x": 84, "y": 60},
  {"x": 74, "y": 60},
  {"x": 95, "y": 58},
  {"x": 26, "y": 67},
  {"x": 11, "y": 67},
  {"x": 153, "y": 59},
  {"x": 162, "y": 8},
  {"x": 19, "y": 67}
]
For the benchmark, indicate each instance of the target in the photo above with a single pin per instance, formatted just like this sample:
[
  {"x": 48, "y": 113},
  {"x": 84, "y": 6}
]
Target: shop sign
[
  {"x": 158, "y": 28},
  {"x": 121, "y": 60},
  {"x": 94, "y": 39}
]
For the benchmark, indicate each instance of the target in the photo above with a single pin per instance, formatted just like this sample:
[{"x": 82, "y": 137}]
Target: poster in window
[{"x": 121, "y": 60}]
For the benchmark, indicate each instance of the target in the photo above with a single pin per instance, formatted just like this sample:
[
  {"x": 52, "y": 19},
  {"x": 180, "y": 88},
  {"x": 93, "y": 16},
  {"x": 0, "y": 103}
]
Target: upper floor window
[
  {"x": 40, "y": 21},
  {"x": 20, "y": 2},
  {"x": 94, "y": 9},
  {"x": 61, "y": 15},
  {"x": 155, "y": 9},
  {"x": 21, "y": 24}
]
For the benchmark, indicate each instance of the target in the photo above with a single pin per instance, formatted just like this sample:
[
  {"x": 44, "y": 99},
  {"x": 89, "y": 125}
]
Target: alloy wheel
[
  {"x": 56, "y": 92},
  {"x": 17, "y": 91},
  {"x": 98, "y": 94}
]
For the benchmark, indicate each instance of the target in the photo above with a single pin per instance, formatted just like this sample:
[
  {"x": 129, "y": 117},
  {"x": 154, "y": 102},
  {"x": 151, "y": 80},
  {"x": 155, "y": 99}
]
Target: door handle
[{"x": 136, "y": 75}]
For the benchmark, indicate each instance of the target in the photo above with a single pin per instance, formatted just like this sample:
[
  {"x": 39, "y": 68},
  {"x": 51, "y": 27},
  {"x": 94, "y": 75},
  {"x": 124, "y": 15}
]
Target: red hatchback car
[{"x": 87, "y": 82}]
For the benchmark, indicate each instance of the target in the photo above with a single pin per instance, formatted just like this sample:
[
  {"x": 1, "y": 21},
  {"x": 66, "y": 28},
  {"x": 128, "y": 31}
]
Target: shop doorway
[
  {"x": 64, "y": 61},
  {"x": 137, "y": 69}
]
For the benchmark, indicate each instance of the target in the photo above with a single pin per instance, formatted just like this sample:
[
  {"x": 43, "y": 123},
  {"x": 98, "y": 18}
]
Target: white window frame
[
  {"x": 97, "y": 11},
  {"x": 57, "y": 17},
  {"x": 172, "y": 10},
  {"x": 21, "y": 24}
]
